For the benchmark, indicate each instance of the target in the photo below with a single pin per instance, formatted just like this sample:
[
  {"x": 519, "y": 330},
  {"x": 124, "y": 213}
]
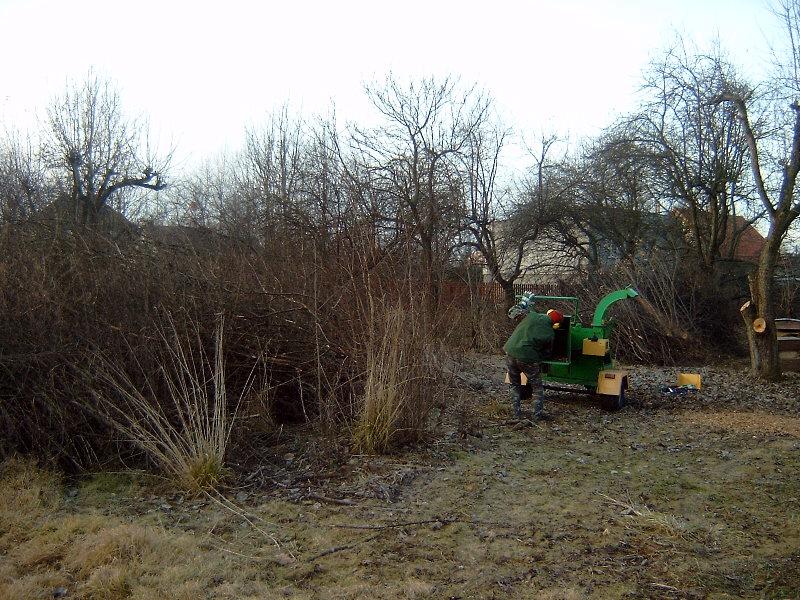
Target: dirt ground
[{"x": 675, "y": 496}]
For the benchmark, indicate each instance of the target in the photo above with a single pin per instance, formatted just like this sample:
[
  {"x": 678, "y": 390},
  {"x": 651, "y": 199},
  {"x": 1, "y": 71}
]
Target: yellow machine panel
[
  {"x": 598, "y": 348},
  {"x": 610, "y": 382},
  {"x": 689, "y": 379}
]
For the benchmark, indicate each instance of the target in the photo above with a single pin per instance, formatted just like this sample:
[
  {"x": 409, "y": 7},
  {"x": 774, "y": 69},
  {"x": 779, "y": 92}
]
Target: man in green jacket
[{"x": 528, "y": 346}]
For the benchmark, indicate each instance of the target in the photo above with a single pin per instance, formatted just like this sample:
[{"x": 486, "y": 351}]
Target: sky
[{"x": 203, "y": 71}]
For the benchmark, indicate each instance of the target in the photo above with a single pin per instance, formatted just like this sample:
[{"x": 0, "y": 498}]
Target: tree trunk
[
  {"x": 432, "y": 279},
  {"x": 509, "y": 293},
  {"x": 759, "y": 313},
  {"x": 764, "y": 359}
]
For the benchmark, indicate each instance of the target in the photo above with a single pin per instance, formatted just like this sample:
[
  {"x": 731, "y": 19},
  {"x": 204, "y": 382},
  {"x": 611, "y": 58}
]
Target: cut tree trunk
[{"x": 763, "y": 344}]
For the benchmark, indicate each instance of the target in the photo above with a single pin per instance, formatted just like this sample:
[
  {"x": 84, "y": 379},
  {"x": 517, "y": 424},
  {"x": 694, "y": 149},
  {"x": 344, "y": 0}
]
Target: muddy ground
[{"x": 675, "y": 496}]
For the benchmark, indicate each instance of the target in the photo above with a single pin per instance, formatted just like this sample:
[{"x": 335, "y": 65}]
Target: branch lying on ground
[
  {"x": 443, "y": 521},
  {"x": 380, "y": 528},
  {"x": 335, "y": 549},
  {"x": 339, "y": 501}
]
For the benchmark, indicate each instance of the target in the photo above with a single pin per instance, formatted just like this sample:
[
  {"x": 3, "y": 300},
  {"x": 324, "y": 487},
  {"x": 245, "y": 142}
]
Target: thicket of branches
[{"x": 342, "y": 259}]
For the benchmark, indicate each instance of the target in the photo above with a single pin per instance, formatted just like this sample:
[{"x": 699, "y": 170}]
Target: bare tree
[
  {"x": 212, "y": 197},
  {"x": 102, "y": 154},
  {"x": 24, "y": 185},
  {"x": 611, "y": 211},
  {"x": 271, "y": 166},
  {"x": 775, "y": 186},
  {"x": 528, "y": 240},
  {"x": 513, "y": 230},
  {"x": 484, "y": 211},
  {"x": 323, "y": 191},
  {"x": 414, "y": 160},
  {"x": 697, "y": 149}
]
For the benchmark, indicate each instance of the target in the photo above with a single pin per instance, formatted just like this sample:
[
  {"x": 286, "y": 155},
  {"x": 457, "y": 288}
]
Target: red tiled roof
[{"x": 751, "y": 242}]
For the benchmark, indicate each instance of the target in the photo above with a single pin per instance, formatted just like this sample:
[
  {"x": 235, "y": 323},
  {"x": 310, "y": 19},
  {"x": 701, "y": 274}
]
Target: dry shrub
[
  {"x": 473, "y": 323},
  {"x": 400, "y": 380},
  {"x": 658, "y": 327},
  {"x": 297, "y": 305},
  {"x": 492, "y": 326},
  {"x": 68, "y": 297},
  {"x": 185, "y": 430}
]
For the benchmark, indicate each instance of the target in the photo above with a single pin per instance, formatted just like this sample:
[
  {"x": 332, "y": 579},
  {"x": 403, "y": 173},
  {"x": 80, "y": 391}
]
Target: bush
[
  {"x": 680, "y": 316},
  {"x": 67, "y": 298},
  {"x": 299, "y": 310}
]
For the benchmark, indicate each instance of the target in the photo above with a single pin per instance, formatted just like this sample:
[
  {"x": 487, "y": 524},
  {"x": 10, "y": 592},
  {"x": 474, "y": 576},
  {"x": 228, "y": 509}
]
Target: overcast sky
[{"x": 202, "y": 71}]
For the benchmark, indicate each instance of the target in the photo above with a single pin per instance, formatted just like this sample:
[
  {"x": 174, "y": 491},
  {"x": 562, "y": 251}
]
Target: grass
[
  {"x": 47, "y": 543},
  {"x": 533, "y": 513},
  {"x": 189, "y": 438}
]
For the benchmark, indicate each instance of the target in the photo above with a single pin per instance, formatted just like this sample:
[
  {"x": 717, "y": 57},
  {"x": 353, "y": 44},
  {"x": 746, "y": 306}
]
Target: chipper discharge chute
[{"x": 582, "y": 354}]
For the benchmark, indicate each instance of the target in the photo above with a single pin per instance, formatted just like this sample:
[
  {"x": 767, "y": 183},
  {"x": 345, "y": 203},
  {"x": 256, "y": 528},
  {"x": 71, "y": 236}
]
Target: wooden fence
[{"x": 789, "y": 343}]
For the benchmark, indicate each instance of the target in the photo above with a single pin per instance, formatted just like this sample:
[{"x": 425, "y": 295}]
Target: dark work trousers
[{"x": 534, "y": 387}]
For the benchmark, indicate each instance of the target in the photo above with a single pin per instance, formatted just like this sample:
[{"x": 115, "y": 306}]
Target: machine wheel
[{"x": 612, "y": 403}]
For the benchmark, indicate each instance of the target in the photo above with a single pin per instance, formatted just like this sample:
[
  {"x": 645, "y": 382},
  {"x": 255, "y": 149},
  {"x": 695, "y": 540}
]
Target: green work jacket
[{"x": 532, "y": 340}]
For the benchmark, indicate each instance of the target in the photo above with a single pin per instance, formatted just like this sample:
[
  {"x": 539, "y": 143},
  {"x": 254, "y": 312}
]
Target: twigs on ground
[
  {"x": 387, "y": 526},
  {"x": 230, "y": 507},
  {"x": 335, "y": 549},
  {"x": 442, "y": 521},
  {"x": 663, "y": 522},
  {"x": 339, "y": 501},
  {"x": 666, "y": 588}
]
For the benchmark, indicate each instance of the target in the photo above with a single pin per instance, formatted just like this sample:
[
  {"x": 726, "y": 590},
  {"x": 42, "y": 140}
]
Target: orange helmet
[{"x": 555, "y": 316}]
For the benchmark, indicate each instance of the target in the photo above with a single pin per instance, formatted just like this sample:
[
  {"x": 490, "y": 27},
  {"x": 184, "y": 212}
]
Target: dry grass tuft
[
  {"x": 24, "y": 487},
  {"x": 189, "y": 438},
  {"x": 560, "y": 594},
  {"x": 399, "y": 386},
  {"x": 108, "y": 583},
  {"x": 661, "y": 522},
  {"x": 27, "y": 494},
  {"x": 32, "y": 586},
  {"x": 54, "y": 538},
  {"x": 416, "y": 588},
  {"x": 122, "y": 543}
]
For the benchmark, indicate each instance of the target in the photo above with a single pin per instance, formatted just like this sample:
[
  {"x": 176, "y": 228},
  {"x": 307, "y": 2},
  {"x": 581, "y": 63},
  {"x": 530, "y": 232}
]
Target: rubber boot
[
  {"x": 538, "y": 407},
  {"x": 516, "y": 399}
]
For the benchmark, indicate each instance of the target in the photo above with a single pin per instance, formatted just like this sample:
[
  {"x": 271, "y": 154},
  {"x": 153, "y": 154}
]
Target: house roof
[{"x": 750, "y": 243}]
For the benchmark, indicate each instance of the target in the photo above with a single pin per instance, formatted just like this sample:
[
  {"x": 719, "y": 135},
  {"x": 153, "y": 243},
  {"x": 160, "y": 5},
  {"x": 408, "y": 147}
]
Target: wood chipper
[{"x": 582, "y": 354}]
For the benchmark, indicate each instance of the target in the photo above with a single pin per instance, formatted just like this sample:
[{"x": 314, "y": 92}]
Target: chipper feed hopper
[{"x": 582, "y": 354}]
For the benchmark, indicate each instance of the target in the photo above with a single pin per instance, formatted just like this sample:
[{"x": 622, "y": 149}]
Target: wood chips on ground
[{"x": 744, "y": 422}]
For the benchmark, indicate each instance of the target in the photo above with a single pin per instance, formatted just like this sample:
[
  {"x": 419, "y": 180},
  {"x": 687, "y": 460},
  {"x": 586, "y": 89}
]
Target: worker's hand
[
  {"x": 516, "y": 311},
  {"x": 521, "y": 308}
]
